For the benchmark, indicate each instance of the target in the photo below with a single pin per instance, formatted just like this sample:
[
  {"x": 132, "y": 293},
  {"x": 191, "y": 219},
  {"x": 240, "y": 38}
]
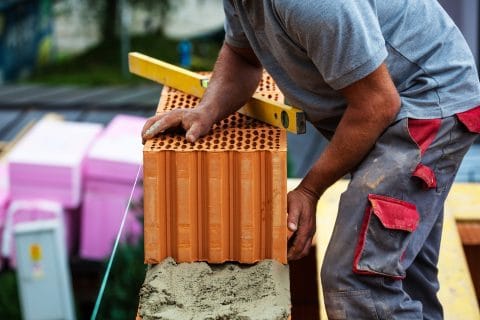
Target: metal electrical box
[{"x": 43, "y": 273}]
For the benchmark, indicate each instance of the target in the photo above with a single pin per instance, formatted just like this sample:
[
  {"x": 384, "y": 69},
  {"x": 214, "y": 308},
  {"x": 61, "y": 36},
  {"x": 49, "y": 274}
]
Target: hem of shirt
[
  {"x": 236, "y": 43},
  {"x": 361, "y": 71},
  {"x": 438, "y": 112}
]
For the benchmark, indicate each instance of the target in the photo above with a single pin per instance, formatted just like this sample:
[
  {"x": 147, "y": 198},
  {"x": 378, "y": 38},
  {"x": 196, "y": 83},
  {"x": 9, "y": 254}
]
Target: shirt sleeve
[
  {"x": 234, "y": 34},
  {"x": 343, "y": 38}
]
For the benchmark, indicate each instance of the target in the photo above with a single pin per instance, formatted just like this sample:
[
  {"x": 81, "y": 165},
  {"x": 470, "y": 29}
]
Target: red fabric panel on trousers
[
  {"x": 423, "y": 131},
  {"x": 394, "y": 213},
  {"x": 426, "y": 174},
  {"x": 361, "y": 242},
  {"x": 471, "y": 119}
]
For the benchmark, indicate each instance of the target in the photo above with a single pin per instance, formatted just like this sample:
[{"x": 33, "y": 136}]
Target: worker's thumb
[{"x": 294, "y": 211}]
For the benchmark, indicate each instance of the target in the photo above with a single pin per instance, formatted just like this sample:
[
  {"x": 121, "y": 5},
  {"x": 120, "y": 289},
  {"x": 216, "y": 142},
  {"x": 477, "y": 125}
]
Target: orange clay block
[{"x": 222, "y": 198}]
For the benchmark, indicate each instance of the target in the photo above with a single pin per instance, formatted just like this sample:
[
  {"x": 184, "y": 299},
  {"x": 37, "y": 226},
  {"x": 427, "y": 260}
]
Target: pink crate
[
  {"x": 47, "y": 162},
  {"x": 117, "y": 153},
  {"x": 111, "y": 166},
  {"x": 24, "y": 211},
  {"x": 103, "y": 207}
]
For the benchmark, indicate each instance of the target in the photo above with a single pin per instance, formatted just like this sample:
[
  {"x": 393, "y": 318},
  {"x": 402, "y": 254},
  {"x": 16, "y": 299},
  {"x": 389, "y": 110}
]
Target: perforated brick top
[{"x": 236, "y": 132}]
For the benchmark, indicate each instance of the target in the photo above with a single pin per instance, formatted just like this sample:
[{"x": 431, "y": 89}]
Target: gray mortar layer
[{"x": 230, "y": 291}]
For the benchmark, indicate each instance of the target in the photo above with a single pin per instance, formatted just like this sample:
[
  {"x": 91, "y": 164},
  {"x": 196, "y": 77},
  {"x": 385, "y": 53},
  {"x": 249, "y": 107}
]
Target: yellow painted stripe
[{"x": 260, "y": 108}]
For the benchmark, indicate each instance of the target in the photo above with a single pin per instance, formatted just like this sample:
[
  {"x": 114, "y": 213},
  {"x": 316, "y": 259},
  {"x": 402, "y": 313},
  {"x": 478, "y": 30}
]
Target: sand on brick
[{"x": 230, "y": 291}]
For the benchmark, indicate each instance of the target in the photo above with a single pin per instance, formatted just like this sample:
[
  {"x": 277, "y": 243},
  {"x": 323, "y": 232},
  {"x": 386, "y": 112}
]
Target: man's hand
[
  {"x": 302, "y": 204},
  {"x": 235, "y": 77},
  {"x": 194, "y": 122}
]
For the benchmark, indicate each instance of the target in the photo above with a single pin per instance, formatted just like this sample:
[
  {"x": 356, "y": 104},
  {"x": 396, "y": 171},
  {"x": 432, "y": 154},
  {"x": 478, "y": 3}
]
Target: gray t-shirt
[{"x": 313, "y": 48}]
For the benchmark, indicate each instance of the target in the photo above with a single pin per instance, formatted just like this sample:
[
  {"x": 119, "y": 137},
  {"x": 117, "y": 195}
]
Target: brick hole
[
  {"x": 184, "y": 146},
  {"x": 270, "y": 143},
  {"x": 224, "y": 144}
]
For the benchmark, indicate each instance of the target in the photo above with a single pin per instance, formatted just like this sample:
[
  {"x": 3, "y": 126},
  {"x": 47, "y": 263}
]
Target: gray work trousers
[{"x": 381, "y": 262}]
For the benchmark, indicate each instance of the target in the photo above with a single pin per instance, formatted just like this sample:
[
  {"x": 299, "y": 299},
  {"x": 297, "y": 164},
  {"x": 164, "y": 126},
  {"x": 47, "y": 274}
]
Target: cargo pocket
[
  {"x": 386, "y": 230},
  {"x": 471, "y": 119}
]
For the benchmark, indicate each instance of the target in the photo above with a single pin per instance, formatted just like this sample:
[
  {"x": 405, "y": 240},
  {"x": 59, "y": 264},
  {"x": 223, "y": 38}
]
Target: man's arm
[
  {"x": 373, "y": 103},
  {"x": 235, "y": 77}
]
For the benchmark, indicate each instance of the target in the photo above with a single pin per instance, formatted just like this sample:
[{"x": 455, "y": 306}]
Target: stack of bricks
[{"x": 222, "y": 198}]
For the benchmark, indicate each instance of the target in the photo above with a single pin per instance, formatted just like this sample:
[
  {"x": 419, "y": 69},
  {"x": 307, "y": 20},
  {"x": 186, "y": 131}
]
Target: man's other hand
[
  {"x": 195, "y": 123},
  {"x": 302, "y": 205}
]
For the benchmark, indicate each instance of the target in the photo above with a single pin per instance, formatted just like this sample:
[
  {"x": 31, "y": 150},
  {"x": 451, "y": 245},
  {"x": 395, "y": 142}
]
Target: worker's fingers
[
  {"x": 159, "y": 124},
  {"x": 303, "y": 239},
  {"x": 148, "y": 124},
  {"x": 301, "y": 217},
  {"x": 195, "y": 131}
]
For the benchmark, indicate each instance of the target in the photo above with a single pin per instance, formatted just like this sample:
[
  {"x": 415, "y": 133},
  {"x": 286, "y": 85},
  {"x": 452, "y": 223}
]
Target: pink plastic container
[
  {"x": 110, "y": 170},
  {"x": 47, "y": 162}
]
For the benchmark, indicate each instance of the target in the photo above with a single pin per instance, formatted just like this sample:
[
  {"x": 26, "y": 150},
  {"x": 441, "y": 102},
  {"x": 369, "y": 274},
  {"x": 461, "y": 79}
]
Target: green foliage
[
  {"x": 101, "y": 65},
  {"x": 120, "y": 300},
  {"x": 9, "y": 301}
]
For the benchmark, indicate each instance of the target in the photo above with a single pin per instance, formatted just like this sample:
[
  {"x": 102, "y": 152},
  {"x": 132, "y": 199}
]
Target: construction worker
[{"x": 394, "y": 87}]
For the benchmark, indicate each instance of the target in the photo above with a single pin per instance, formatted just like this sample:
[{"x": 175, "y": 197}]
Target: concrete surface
[{"x": 229, "y": 291}]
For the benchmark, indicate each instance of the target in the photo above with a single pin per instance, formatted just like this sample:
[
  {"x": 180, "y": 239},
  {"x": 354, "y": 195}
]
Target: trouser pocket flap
[
  {"x": 386, "y": 230},
  {"x": 393, "y": 213}
]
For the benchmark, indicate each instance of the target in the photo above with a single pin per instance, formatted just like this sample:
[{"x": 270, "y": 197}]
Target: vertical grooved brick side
[
  {"x": 186, "y": 209},
  {"x": 217, "y": 226},
  {"x": 278, "y": 185},
  {"x": 248, "y": 205},
  {"x": 222, "y": 198}
]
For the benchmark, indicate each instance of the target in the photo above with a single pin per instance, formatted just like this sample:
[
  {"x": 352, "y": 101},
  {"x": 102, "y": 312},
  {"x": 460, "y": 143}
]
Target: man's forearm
[
  {"x": 354, "y": 138},
  {"x": 373, "y": 105},
  {"x": 235, "y": 77}
]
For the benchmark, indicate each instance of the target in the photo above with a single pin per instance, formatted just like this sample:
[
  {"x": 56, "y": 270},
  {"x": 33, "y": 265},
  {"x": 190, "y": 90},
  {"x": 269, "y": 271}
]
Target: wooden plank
[{"x": 464, "y": 201}]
